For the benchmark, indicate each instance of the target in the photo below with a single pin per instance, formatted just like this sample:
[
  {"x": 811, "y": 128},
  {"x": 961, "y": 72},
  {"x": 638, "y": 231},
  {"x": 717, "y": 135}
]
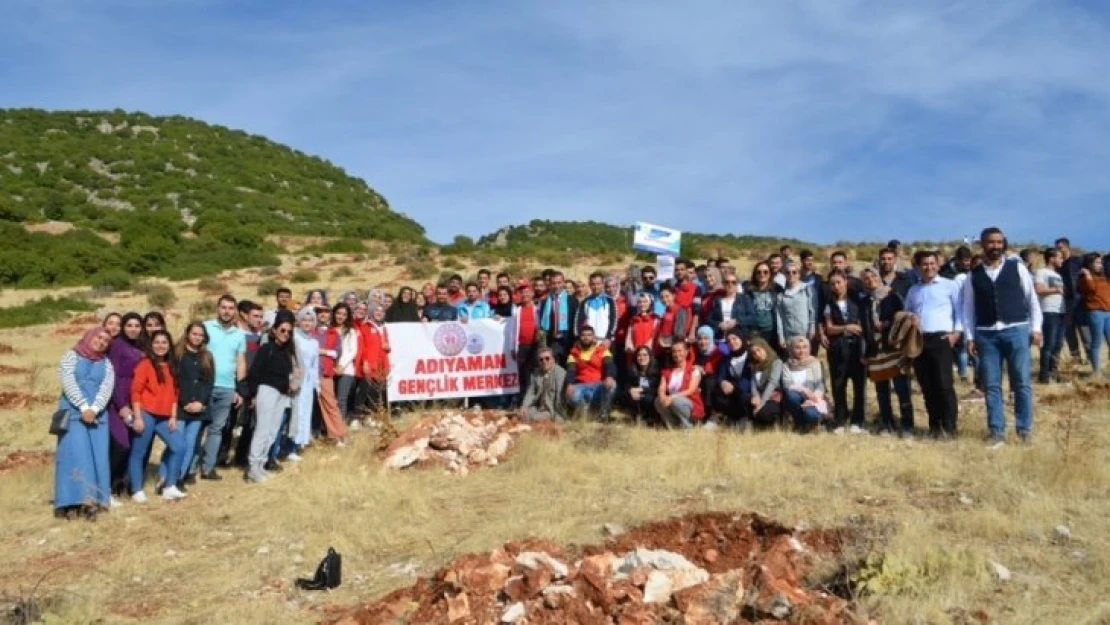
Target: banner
[
  {"x": 440, "y": 360},
  {"x": 658, "y": 239},
  {"x": 664, "y": 268}
]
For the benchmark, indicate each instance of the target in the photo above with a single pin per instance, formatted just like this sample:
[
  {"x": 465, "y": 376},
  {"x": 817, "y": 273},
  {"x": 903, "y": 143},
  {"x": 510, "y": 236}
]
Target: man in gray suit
[{"x": 544, "y": 398}]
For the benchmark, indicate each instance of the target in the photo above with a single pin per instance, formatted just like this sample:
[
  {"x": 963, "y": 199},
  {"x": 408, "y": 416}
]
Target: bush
[
  {"x": 453, "y": 263},
  {"x": 338, "y": 246},
  {"x": 160, "y": 296},
  {"x": 269, "y": 271},
  {"x": 114, "y": 279},
  {"x": 45, "y": 310},
  {"x": 204, "y": 309},
  {"x": 267, "y": 288},
  {"x": 301, "y": 276},
  {"x": 212, "y": 286},
  {"x": 421, "y": 270},
  {"x": 342, "y": 272}
]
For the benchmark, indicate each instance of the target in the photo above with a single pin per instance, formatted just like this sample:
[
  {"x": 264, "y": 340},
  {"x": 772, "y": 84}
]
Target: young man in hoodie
[{"x": 598, "y": 311}]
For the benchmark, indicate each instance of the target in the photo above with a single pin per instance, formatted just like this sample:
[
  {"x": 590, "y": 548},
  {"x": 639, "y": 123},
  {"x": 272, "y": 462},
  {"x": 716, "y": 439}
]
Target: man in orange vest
[{"x": 591, "y": 375}]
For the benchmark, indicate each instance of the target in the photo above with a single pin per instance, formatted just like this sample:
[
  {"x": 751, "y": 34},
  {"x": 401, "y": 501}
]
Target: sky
[{"x": 822, "y": 120}]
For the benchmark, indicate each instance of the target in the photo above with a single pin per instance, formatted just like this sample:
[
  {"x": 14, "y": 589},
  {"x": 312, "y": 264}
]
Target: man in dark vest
[{"x": 1002, "y": 317}]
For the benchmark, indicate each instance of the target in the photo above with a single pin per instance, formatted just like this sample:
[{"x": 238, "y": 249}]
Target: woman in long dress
[
  {"x": 82, "y": 478},
  {"x": 308, "y": 357}
]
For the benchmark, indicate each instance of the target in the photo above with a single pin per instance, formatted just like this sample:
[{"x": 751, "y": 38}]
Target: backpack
[{"x": 329, "y": 574}]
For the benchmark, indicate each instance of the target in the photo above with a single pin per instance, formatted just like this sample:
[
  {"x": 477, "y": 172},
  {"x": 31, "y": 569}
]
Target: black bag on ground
[{"x": 328, "y": 575}]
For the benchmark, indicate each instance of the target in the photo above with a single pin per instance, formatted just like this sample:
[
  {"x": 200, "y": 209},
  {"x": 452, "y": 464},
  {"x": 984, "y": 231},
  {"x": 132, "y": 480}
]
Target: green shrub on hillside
[
  {"x": 45, "y": 310},
  {"x": 212, "y": 286},
  {"x": 421, "y": 270},
  {"x": 114, "y": 279},
  {"x": 269, "y": 271},
  {"x": 342, "y": 272},
  {"x": 160, "y": 296},
  {"x": 302, "y": 276},
  {"x": 268, "y": 287}
]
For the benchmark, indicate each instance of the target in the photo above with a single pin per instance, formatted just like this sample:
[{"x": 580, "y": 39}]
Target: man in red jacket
[{"x": 591, "y": 375}]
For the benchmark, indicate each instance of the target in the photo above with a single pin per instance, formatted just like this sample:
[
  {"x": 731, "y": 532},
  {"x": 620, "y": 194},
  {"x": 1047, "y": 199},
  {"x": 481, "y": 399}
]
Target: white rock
[
  {"x": 536, "y": 559},
  {"x": 1001, "y": 572},
  {"x": 1063, "y": 532},
  {"x": 559, "y": 589},
  {"x": 612, "y": 530},
  {"x": 966, "y": 500},
  {"x": 660, "y": 559},
  {"x": 263, "y": 550},
  {"x": 514, "y": 613},
  {"x": 407, "y": 455},
  {"x": 658, "y": 588},
  {"x": 500, "y": 445},
  {"x": 170, "y": 553},
  {"x": 298, "y": 559}
]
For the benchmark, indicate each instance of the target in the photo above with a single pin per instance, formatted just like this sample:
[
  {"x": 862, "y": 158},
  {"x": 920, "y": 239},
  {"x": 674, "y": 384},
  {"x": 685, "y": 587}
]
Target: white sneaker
[
  {"x": 114, "y": 503},
  {"x": 139, "y": 497},
  {"x": 294, "y": 457},
  {"x": 855, "y": 429},
  {"x": 170, "y": 493},
  {"x": 341, "y": 443},
  {"x": 839, "y": 431},
  {"x": 355, "y": 425}
]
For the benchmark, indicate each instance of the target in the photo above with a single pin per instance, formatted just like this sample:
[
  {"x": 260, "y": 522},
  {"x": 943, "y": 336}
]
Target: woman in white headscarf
[{"x": 308, "y": 357}]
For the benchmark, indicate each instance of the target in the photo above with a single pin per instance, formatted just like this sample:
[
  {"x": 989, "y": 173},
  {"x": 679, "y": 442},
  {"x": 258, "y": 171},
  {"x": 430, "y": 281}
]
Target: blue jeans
[
  {"x": 1012, "y": 346},
  {"x": 905, "y": 405},
  {"x": 1053, "y": 331},
  {"x": 190, "y": 432},
  {"x": 804, "y": 418},
  {"x": 219, "y": 408},
  {"x": 1099, "y": 322},
  {"x": 594, "y": 395},
  {"x": 140, "y": 443}
]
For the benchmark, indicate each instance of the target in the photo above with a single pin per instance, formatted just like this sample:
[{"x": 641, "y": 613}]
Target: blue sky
[{"x": 824, "y": 120}]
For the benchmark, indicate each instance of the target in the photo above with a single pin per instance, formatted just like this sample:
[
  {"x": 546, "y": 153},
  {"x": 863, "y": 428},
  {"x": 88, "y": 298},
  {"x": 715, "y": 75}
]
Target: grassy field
[{"x": 941, "y": 514}]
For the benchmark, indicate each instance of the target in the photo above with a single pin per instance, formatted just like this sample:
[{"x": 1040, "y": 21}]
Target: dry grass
[{"x": 230, "y": 552}]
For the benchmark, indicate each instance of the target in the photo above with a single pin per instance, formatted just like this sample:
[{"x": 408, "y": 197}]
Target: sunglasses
[
  {"x": 792, "y": 272},
  {"x": 282, "y": 331},
  {"x": 730, "y": 281},
  {"x": 762, "y": 272}
]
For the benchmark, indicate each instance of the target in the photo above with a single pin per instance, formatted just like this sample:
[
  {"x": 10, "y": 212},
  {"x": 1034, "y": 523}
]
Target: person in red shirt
[
  {"x": 373, "y": 356},
  {"x": 455, "y": 293},
  {"x": 714, "y": 289},
  {"x": 675, "y": 326},
  {"x": 679, "y": 400},
  {"x": 613, "y": 290},
  {"x": 591, "y": 375},
  {"x": 642, "y": 327},
  {"x": 685, "y": 288},
  {"x": 526, "y": 315},
  {"x": 154, "y": 402}
]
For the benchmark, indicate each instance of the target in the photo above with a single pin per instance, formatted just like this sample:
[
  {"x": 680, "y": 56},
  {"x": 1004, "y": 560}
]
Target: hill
[{"x": 164, "y": 196}]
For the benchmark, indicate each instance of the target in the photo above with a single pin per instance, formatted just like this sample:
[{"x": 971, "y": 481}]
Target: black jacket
[
  {"x": 272, "y": 367},
  {"x": 192, "y": 385},
  {"x": 888, "y": 307},
  {"x": 648, "y": 382}
]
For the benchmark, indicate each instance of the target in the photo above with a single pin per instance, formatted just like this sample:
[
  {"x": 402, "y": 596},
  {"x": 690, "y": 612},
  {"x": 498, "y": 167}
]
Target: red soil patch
[
  {"x": 6, "y": 370},
  {"x": 11, "y": 400},
  {"x": 25, "y": 459},
  {"x": 6, "y": 349},
  {"x": 703, "y": 568}
]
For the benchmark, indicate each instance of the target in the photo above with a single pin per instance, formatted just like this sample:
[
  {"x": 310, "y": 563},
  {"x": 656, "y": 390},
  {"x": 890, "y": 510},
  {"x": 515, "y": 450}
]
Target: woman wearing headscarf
[
  {"x": 706, "y": 357},
  {"x": 733, "y": 381},
  {"x": 272, "y": 382},
  {"x": 714, "y": 289},
  {"x": 765, "y": 404},
  {"x": 308, "y": 361},
  {"x": 124, "y": 354},
  {"x": 503, "y": 303},
  {"x": 641, "y": 385},
  {"x": 803, "y": 385},
  {"x": 374, "y": 361},
  {"x": 884, "y": 364},
  {"x": 403, "y": 308},
  {"x": 154, "y": 402},
  {"x": 82, "y": 480}
]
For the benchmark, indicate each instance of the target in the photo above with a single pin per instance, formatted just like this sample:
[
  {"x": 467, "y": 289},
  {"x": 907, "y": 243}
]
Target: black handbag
[
  {"x": 59, "y": 422},
  {"x": 328, "y": 575}
]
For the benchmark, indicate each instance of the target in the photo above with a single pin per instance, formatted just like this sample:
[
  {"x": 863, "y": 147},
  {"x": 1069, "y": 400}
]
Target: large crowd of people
[{"x": 254, "y": 388}]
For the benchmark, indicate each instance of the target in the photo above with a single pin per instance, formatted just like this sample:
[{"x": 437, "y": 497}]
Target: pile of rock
[
  {"x": 456, "y": 441},
  {"x": 660, "y": 572}
]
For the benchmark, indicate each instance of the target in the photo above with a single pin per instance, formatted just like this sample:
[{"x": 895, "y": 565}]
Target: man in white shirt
[
  {"x": 1001, "y": 318},
  {"x": 935, "y": 301},
  {"x": 1049, "y": 285}
]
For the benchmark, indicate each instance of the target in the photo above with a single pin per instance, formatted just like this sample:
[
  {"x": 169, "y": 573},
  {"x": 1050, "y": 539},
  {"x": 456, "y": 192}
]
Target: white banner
[
  {"x": 438, "y": 360},
  {"x": 664, "y": 268},
  {"x": 658, "y": 239}
]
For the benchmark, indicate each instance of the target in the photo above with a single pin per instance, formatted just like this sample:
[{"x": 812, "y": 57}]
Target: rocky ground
[
  {"x": 458, "y": 441},
  {"x": 698, "y": 569}
]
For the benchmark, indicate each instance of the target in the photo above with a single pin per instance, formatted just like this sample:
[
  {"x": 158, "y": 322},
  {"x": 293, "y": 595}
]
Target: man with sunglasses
[
  {"x": 648, "y": 286},
  {"x": 730, "y": 310},
  {"x": 543, "y": 399}
]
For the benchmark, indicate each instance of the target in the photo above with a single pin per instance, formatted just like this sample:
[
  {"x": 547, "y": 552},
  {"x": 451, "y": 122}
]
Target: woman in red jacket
[
  {"x": 674, "y": 327},
  {"x": 642, "y": 327},
  {"x": 679, "y": 401},
  {"x": 326, "y": 394},
  {"x": 154, "y": 404},
  {"x": 373, "y": 354}
]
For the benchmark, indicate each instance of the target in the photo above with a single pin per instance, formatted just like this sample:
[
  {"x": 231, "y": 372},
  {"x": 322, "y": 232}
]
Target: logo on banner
[
  {"x": 450, "y": 339},
  {"x": 475, "y": 344}
]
